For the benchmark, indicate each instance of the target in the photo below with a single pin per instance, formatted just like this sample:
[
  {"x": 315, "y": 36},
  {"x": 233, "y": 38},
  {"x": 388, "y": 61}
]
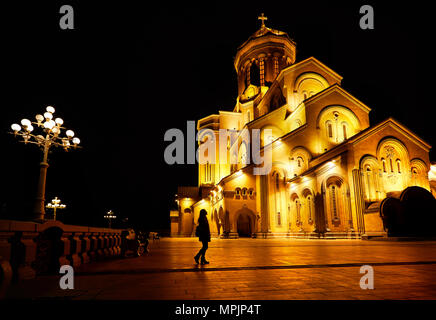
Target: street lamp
[
  {"x": 50, "y": 136},
  {"x": 55, "y": 204},
  {"x": 110, "y": 215}
]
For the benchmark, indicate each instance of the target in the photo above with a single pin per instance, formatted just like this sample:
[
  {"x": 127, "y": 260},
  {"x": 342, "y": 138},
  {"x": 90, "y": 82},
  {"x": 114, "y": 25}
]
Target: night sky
[{"x": 129, "y": 72}]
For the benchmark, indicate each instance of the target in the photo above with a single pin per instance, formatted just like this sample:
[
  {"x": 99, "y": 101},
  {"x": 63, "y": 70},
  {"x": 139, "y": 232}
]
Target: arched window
[
  {"x": 244, "y": 192},
  {"x": 309, "y": 207},
  {"x": 344, "y": 130},
  {"x": 384, "y": 165},
  {"x": 297, "y": 209},
  {"x": 334, "y": 201},
  {"x": 276, "y": 66},
  {"x": 329, "y": 129},
  {"x": 415, "y": 177},
  {"x": 262, "y": 71},
  {"x": 277, "y": 182},
  {"x": 369, "y": 181},
  {"x": 399, "y": 165},
  {"x": 299, "y": 162},
  {"x": 390, "y": 164},
  {"x": 254, "y": 74},
  {"x": 279, "y": 218}
]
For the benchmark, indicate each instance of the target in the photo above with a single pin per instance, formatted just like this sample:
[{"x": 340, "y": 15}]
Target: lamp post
[
  {"x": 55, "y": 204},
  {"x": 50, "y": 136},
  {"x": 110, "y": 215}
]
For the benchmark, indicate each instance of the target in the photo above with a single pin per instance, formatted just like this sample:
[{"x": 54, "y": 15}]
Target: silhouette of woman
[{"x": 203, "y": 233}]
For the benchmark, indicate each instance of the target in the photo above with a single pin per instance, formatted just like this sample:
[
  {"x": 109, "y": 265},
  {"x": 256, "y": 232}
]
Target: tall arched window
[
  {"x": 277, "y": 196},
  {"x": 384, "y": 165},
  {"x": 309, "y": 208},
  {"x": 334, "y": 201},
  {"x": 399, "y": 165},
  {"x": 299, "y": 160},
  {"x": 329, "y": 127},
  {"x": 344, "y": 131},
  {"x": 369, "y": 182},
  {"x": 297, "y": 208},
  {"x": 415, "y": 177},
  {"x": 262, "y": 71},
  {"x": 276, "y": 66}
]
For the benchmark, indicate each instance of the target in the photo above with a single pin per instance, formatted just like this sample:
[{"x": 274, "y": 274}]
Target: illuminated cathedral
[{"x": 331, "y": 170}]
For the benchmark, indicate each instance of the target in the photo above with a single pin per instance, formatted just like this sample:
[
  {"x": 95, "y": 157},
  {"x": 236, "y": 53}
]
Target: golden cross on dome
[{"x": 263, "y": 18}]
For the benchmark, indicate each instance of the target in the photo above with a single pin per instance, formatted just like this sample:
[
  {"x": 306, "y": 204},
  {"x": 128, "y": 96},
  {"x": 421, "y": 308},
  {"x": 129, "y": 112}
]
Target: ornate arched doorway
[{"x": 245, "y": 223}]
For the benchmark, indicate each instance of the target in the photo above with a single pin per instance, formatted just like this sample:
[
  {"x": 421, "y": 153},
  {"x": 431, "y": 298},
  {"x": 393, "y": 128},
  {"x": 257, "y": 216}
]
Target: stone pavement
[{"x": 253, "y": 269}]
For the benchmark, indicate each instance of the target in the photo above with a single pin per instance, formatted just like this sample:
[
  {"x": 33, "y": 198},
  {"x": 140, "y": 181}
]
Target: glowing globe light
[
  {"x": 39, "y": 118},
  {"x": 49, "y": 124},
  {"x": 48, "y": 115},
  {"x": 59, "y": 121},
  {"x": 70, "y": 133},
  {"x": 15, "y": 127},
  {"x": 76, "y": 140},
  {"x": 26, "y": 123},
  {"x": 50, "y": 109},
  {"x": 29, "y": 128}
]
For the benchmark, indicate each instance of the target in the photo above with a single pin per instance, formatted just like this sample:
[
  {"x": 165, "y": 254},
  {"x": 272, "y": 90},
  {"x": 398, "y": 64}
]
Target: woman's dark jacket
[{"x": 204, "y": 231}]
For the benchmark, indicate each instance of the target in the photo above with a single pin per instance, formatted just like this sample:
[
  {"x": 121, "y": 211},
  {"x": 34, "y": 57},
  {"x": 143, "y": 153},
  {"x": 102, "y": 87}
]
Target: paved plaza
[{"x": 264, "y": 269}]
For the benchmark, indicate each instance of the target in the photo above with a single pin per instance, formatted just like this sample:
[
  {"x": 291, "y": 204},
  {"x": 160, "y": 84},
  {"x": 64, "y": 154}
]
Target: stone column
[{"x": 359, "y": 200}]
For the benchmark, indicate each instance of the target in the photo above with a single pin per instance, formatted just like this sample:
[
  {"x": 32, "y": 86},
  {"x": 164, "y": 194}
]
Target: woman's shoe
[{"x": 204, "y": 262}]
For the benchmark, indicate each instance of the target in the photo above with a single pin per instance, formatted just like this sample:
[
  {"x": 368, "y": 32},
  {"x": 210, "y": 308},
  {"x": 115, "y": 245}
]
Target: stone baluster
[
  {"x": 100, "y": 250},
  {"x": 65, "y": 258},
  {"x": 76, "y": 248},
  {"x": 86, "y": 247},
  {"x": 111, "y": 243},
  {"x": 117, "y": 244},
  {"x": 106, "y": 245}
]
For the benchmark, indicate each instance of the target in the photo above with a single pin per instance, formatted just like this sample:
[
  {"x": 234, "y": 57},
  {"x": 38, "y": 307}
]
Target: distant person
[{"x": 203, "y": 234}]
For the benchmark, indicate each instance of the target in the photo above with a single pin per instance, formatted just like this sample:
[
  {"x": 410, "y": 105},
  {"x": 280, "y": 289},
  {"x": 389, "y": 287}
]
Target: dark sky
[{"x": 129, "y": 72}]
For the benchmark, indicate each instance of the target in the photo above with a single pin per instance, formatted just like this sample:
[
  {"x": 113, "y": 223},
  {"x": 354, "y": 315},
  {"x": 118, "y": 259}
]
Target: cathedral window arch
[
  {"x": 244, "y": 192},
  {"x": 276, "y": 66},
  {"x": 334, "y": 201},
  {"x": 397, "y": 159},
  {"x": 345, "y": 130},
  {"x": 329, "y": 128},
  {"x": 384, "y": 165},
  {"x": 276, "y": 192},
  {"x": 298, "y": 209}
]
